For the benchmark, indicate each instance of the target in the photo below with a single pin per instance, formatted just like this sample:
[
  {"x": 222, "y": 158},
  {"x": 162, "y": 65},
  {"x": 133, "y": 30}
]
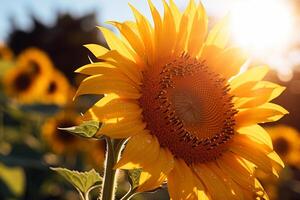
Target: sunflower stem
[
  {"x": 129, "y": 194},
  {"x": 113, "y": 153}
]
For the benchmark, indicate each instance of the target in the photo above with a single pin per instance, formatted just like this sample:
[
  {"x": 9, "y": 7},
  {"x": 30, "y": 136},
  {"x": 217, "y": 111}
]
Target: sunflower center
[
  {"x": 281, "y": 146},
  {"x": 188, "y": 108},
  {"x": 22, "y": 81},
  {"x": 52, "y": 87}
]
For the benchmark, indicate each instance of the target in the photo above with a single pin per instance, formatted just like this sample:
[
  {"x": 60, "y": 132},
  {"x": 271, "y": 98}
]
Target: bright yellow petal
[
  {"x": 252, "y": 75},
  {"x": 229, "y": 62},
  {"x": 132, "y": 156},
  {"x": 155, "y": 174},
  {"x": 185, "y": 27},
  {"x": 219, "y": 34},
  {"x": 169, "y": 32},
  {"x": 131, "y": 36},
  {"x": 113, "y": 109},
  {"x": 181, "y": 184},
  {"x": 158, "y": 29},
  {"x": 96, "y": 68},
  {"x": 127, "y": 66},
  {"x": 257, "y": 133},
  {"x": 97, "y": 50},
  {"x": 215, "y": 186},
  {"x": 146, "y": 32},
  {"x": 99, "y": 84},
  {"x": 115, "y": 43},
  {"x": 122, "y": 127},
  {"x": 176, "y": 13},
  {"x": 258, "y": 94},
  {"x": 236, "y": 169},
  {"x": 198, "y": 31},
  {"x": 233, "y": 189},
  {"x": 242, "y": 146},
  {"x": 267, "y": 112}
]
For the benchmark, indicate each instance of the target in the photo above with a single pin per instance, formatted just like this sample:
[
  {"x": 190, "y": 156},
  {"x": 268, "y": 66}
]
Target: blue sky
[{"x": 46, "y": 10}]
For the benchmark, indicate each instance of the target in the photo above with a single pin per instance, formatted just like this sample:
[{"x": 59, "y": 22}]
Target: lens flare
[{"x": 262, "y": 26}]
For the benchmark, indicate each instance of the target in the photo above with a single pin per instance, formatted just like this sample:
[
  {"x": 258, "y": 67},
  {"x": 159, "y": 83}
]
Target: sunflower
[
  {"x": 191, "y": 117},
  {"x": 5, "y": 53},
  {"x": 61, "y": 141},
  {"x": 58, "y": 91},
  {"x": 29, "y": 78},
  {"x": 286, "y": 142}
]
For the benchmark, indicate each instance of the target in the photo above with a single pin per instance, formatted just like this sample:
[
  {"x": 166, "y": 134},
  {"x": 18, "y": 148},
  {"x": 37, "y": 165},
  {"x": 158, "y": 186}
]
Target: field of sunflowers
[{"x": 150, "y": 100}]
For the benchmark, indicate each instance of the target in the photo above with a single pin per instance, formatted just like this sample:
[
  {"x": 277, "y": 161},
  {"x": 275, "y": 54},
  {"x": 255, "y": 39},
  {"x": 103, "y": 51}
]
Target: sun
[{"x": 262, "y": 25}]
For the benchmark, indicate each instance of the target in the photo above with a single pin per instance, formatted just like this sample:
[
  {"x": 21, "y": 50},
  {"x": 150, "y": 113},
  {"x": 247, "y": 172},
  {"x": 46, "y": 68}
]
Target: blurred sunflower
[
  {"x": 61, "y": 141},
  {"x": 286, "y": 142},
  {"x": 5, "y": 53},
  {"x": 178, "y": 94},
  {"x": 95, "y": 153},
  {"x": 59, "y": 91},
  {"x": 29, "y": 78}
]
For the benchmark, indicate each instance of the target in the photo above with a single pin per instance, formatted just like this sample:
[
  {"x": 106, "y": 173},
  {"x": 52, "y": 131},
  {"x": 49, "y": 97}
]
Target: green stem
[
  {"x": 129, "y": 194},
  {"x": 114, "y": 148}
]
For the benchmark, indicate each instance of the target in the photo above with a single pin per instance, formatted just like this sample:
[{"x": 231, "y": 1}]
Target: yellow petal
[
  {"x": 233, "y": 190},
  {"x": 176, "y": 13},
  {"x": 275, "y": 157},
  {"x": 258, "y": 94},
  {"x": 236, "y": 169},
  {"x": 252, "y": 75},
  {"x": 158, "y": 29},
  {"x": 132, "y": 37},
  {"x": 253, "y": 152},
  {"x": 169, "y": 32},
  {"x": 122, "y": 127},
  {"x": 115, "y": 43},
  {"x": 198, "y": 31},
  {"x": 99, "y": 84},
  {"x": 184, "y": 28},
  {"x": 256, "y": 132},
  {"x": 97, "y": 50},
  {"x": 267, "y": 112},
  {"x": 215, "y": 186},
  {"x": 229, "y": 62},
  {"x": 155, "y": 174},
  {"x": 141, "y": 151},
  {"x": 113, "y": 109},
  {"x": 145, "y": 31},
  {"x": 219, "y": 34},
  {"x": 127, "y": 66},
  {"x": 181, "y": 183},
  {"x": 96, "y": 68}
]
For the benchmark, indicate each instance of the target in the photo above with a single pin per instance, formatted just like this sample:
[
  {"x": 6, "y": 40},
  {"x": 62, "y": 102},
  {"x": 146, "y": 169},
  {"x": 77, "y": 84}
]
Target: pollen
[{"x": 188, "y": 108}]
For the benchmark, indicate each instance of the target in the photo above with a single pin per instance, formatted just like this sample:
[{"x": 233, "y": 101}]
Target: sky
[{"x": 20, "y": 11}]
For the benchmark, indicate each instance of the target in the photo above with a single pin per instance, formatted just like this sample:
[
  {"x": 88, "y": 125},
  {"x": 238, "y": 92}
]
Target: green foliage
[
  {"x": 82, "y": 181},
  {"x": 87, "y": 129},
  {"x": 134, "y": 177},
  {"x": 14, "y": 178}
]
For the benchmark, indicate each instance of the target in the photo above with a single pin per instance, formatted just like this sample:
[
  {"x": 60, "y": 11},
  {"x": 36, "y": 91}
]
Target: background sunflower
[{"x": 60, "y": 141}]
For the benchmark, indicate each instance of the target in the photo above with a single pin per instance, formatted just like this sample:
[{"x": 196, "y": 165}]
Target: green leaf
[
  {"x": 134, "y": 177},
  {"x": 14, "y": 178},
  {"x": 82, "y": 181},
  {"x": 87, "y": 129}
]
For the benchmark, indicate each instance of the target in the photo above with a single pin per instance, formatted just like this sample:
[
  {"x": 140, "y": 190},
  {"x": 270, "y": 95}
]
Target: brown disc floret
[{"x": 188, "y": 108}]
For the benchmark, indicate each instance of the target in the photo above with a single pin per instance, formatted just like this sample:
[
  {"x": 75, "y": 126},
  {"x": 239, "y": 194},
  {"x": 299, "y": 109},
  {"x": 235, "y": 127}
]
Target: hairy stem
[{"x": 114, "y": 148}]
